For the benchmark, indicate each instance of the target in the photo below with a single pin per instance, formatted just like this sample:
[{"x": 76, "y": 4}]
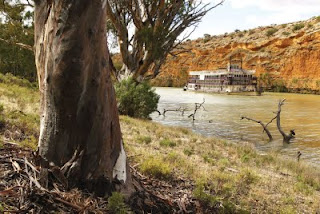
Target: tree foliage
[
  {"x": 136, "y": 100},
  {"x": 155, "y": 27},
  {"x": 16, "y": 39}
]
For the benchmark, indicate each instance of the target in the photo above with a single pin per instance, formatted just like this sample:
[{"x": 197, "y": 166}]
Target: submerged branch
[
  {"x": 286, "y": 137},
  {"x": 197, "y": 106},
  {"x": 180, "y": 109},
  {"x": 265, "y": 129}
]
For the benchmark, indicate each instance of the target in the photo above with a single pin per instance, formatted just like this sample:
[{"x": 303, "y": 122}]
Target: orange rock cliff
[{"x": 284, "y": 56}]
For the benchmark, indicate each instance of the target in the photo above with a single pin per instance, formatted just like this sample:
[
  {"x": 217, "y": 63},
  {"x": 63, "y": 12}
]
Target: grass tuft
[
  {"x": 144, "y": 139},
  {"x": 116, "y": 204},
  {"x": 167, "y": 143},
  {"x": 188, "y": 152},
  {"x": 157, "y": 168}
]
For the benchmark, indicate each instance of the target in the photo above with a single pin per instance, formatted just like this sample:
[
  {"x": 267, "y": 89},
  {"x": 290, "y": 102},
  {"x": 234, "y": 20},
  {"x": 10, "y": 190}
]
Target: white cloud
[
  {"x": 273, "y": 18},
  {"x": 296, "y": 6},
  {"x": 277, "y": 11},
  {"x": 247, "y": 14}
]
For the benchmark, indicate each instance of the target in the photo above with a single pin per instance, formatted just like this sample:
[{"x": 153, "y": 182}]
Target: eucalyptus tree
[
  {"x": 16, "y": 38},
  {"x": 148, "y": 30},
  {"x": 79, "y": 123}
]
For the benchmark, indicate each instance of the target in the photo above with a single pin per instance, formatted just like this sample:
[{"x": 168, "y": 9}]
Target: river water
[{"x": 221, "y": 118}]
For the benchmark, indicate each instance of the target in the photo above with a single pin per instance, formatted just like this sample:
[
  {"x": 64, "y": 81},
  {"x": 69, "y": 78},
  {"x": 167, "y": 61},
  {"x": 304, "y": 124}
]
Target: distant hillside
[{"x": 285, "y": 56}]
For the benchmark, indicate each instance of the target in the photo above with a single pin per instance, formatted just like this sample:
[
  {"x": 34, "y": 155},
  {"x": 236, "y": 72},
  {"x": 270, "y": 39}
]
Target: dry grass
[
  {"x": 236, "y": 176},
  {"x": 20, "y": 113},
  {"x": 232, "y": 175}
]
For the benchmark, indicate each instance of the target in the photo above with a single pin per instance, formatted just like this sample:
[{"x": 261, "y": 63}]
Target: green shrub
[
  {"x": 116, "y": 204},
  {"x": 144, "y": 139},
  {"x": 11, "y": 79},
  {"x": 286, "y": 33},
  {"x": 298, "y": 27},
  {"x": 247, "y": 177},
  {"x": 208, "y": 159},
  {"x": 188, "y": 152},
  {"x": 318, "y": 18},
  {"x": 271, "y": 31},
  {"x": 30, "y": 142},
  {"x": 279, "y": 86},
  {"x": 265, "y": 79},
  {"x": 204, "y": 196},
  {"x": 136, "y": 100},
  {"x": 167, "y": 143},
  {"x": 304, "y": 188},
  {"x": 246, "y": 153},
  {"x": 173, "y": 158},
  {"x": 27, "y": 123},
  {"x": 157, "y": 168}
]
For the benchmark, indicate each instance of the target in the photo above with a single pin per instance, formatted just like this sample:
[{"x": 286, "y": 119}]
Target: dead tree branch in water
[
  {"x": 180, "y": 109},
  {"x": 197, "y": 106},
  {"x": 286, "y": 137},
  {"x": 264, "y": 126}
]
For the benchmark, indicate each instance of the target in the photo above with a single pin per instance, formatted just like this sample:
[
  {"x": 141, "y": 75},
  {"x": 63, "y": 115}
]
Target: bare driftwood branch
[
  {"x": 180, "y": 109},
  {"x": 264, "y": 126},
  {"x": 286, "y": 137},
  {"x": 197, "y": 106}
]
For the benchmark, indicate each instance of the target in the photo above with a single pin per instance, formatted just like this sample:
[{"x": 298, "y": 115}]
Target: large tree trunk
[{"x": 79, "y": 116}]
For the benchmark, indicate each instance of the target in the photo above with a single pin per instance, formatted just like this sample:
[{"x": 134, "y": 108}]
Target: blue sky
[{"x": 247, "y": 14}]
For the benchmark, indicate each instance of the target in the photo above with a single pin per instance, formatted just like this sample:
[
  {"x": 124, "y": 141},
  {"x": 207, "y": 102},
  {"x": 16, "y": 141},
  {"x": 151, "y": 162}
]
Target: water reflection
[{"x": 300, "y": 112}]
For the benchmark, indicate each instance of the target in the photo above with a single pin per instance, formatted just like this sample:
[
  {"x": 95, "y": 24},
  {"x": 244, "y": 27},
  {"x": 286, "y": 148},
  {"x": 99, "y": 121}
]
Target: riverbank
[
  {"x": 221, "y": 118},
  {"x": 232, "y": 175},
  {"x": 186, "y": 168}
]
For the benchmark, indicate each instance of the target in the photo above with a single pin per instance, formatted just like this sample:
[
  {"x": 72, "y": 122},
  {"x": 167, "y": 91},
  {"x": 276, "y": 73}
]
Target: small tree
[
  {"x": 156, "y": 25},
  {"x": 136, "y": 100}
]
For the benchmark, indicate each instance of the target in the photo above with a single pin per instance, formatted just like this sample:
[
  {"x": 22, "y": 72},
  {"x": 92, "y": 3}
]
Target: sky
[{"x": 248, "y": 14}]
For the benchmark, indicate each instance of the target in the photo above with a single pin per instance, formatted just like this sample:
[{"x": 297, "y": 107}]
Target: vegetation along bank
[{"x": 204, "y": 174}]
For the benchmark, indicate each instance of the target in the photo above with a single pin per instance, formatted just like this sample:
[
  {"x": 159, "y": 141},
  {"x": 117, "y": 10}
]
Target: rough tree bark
[
  {"x": 286, "y": 137},
  {"x": 79, "y": 127}
]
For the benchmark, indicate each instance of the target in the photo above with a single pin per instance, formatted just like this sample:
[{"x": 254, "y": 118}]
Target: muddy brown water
[{"x": 221, "y": 118}]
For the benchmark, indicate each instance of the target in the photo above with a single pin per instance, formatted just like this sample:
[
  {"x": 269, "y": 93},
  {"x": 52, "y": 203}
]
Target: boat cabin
[{"x": 231, "y": 79}]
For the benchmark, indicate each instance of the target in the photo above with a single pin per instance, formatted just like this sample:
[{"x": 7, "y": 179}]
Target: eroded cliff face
[{"x": 285, "y": 55}]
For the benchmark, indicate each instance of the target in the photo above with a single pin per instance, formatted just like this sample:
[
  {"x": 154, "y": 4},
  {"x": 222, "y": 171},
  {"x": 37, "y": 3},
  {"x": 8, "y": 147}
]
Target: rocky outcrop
[{"x": 285, "y": 55}]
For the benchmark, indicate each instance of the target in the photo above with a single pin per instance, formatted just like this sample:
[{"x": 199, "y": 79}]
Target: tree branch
[
  {"x": 265, "y": 129},
  {"x": 21, "y": 45},
  {"x": 197, "y": 106},
  {"x": 286, "y": 137},
  {"x": 158, "y": 25}
]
